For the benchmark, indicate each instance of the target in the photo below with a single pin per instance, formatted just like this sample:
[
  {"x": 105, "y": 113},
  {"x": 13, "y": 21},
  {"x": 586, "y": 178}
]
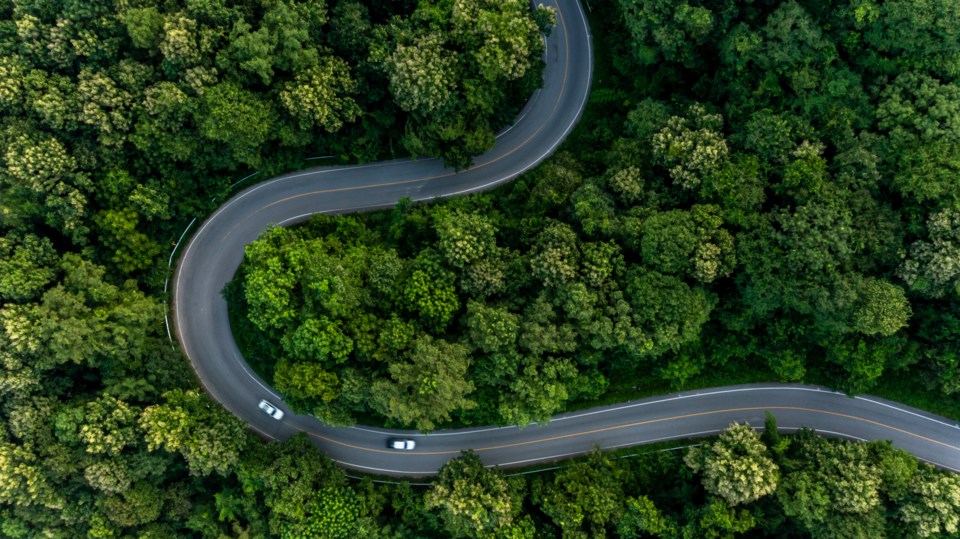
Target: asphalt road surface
[{"x": 215, "y": 251}]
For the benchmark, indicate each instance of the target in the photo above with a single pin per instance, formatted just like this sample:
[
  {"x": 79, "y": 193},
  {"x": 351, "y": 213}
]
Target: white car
[
  {"x": 402, "y": 444},
  {"x": 271, "y": 410}
]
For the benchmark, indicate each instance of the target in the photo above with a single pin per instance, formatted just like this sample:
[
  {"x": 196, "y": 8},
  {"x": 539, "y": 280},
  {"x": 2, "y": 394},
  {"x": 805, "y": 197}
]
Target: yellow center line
[{"x": 647, "y": 422}]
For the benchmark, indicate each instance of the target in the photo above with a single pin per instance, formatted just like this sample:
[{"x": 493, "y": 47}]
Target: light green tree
[
  {"x": 642, "y": 516},
  {"x": 502, "y": 36},
  {"x": 541, "y": 330},
  {"x": 917, "y": 108},
  {"x": 474, "y": 501},
  {"x": 465, "y": 237},
  {"x": 12, "y": 72},
  {"x": 105, "y": 106},
  {"x": 929, "y": 171},
  {"x": 251, "y": 51},
  {"x": 269, "y": 282},
  {"x": 139, "y": 505},
  {"x": 593, "y": 208},
  {"x": 691, "y": 148},
  {"x": 717, "y": 520},
  {"x": 110, "y": 476},
  {"x": 691, "y": 243},
  {"x": 27, "y": 265},
  {"x": 883, "y": 308},
  {"x": 538, "y": 391},
  {"x": 38, "y": 162},
  {"x": 305, "y": 492},
  {"x": 602, "y": 262},
  {"x": 555, "y": 256},
  {"x": 132, "y": 250},
  {"x": 627, "y": 183},
  {"x": 321, "y": 96},
  {"x": 109, "y": 426},
  {"x": 163, "y": 127},
  {"x": 144, "y": 26},
  {"x": 421, "y": 74},
  {"x": 934, "y": 504},
  {"x": 490, "y": 328},
  {"x": 238, "y": 118},
  {"x": 330, "y": 513},
  {"x": 181, "y": 43},
  {"x": 583, "y": 498},
  {"x": 22, "y": 481},
  {"x": 320, "y": 340},
  {"x": 834, "y": 488},
  {"x": 209, "y": 438},
  {"x": 736, "y": 467},
  {"x": 307, "y": 381},
  {"x": 489, "y": 276},
  {"x": 82, "y": 320},
  {"x": 432, "y": 296},
  {"x": 668, "y": 310},
  {"x": 932, "y": 268},
  {"x": 297, "y": 26}
]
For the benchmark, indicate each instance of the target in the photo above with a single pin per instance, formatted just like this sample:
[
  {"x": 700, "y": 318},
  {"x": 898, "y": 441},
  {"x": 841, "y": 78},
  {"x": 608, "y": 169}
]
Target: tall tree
[
  {"x": 27, "y": 265},
  {"x": 667, "y": 30},
  {"x": 831, "y": 488},
  {"x": 426, "y": 388},
  {"x": 237, "y": 118},
  {"x": 688, "y": 243},
  {"x": 465, "y": 238},
  {"x": 583, "y": 498},
  {"x": 911, "y": 35},
  {"x": 670, "y": 312}
]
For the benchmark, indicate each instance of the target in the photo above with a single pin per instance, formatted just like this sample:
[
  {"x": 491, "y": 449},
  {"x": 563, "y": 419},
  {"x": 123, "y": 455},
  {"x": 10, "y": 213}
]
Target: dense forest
[
  {"x": 763, "y": 191},
  {"x": 759, "y": 190}
]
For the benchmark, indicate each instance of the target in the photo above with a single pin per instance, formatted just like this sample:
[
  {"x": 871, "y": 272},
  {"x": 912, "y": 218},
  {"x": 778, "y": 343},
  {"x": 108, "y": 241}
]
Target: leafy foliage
[
  {"x": 736, "y": 467},
  {"x": 474, "y": 501},
  {"x": 756, "y": 189}
]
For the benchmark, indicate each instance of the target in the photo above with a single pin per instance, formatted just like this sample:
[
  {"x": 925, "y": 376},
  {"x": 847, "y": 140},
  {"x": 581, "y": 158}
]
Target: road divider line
[{"x": 713, "y": 412}]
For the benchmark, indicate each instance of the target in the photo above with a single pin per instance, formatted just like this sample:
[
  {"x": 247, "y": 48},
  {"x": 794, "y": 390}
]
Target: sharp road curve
[{"x": 215, "y": 251}]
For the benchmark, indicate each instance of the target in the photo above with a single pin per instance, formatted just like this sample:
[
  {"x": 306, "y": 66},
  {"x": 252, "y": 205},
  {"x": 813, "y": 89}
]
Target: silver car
[{"x": 271, "y": 410}]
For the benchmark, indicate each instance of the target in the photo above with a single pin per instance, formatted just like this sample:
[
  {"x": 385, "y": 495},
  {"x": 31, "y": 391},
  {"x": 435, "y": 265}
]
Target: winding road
[{"x": 215, "y": 251}]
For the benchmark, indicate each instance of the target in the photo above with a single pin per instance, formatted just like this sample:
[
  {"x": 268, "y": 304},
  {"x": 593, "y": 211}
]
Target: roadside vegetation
[
  {"x": 758, "y": 190},
  {"x": 741, "y": 483}
]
